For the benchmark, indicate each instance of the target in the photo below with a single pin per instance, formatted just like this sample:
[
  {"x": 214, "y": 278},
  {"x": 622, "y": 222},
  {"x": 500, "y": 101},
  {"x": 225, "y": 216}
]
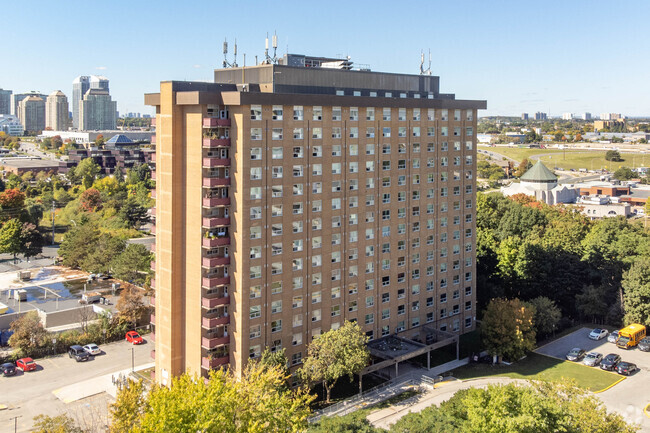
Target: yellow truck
[{"x": 630, "y": 336}]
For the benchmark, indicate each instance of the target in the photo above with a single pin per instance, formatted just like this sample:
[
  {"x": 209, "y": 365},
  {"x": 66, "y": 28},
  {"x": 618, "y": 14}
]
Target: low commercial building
[
  {"x": 599, "y": 206},
  {"x": 20, "y": 166},
  {"x": 541, "y": 183},
  {"x": 10, "y": 125},
  {"x": 87, "y": 137},
  {"x": 119, "y": 151}
]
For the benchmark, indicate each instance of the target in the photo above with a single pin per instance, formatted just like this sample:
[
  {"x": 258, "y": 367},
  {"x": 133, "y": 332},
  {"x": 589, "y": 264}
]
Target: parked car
[
  {"x": 134, "y": 338},
  {"x": 610, "y": 362},
  {"x": 92, "y": 349},
  {"x": 78, "y": 353},
  {"x": 26, "y": 364},
  {"x": 593, "y": 359},
  {"x": 644, "y": 344},
  {"x": 626, "y": 368},
  {"x": 576, "y": 354},
  {"x": 598, "y": 334},
  {"x": 8, "y": 369},
  {"x": 612, "y": 337}
]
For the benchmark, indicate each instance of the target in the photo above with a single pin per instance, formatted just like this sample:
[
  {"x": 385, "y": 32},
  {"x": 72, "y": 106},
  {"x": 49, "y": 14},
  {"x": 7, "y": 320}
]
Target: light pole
[{"x": 132, "y": 359}]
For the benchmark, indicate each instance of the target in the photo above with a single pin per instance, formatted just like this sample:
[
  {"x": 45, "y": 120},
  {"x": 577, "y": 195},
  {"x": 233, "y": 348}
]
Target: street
[
  {"x": 33, "y": 150},
  {"x": 29, "y": 394}
]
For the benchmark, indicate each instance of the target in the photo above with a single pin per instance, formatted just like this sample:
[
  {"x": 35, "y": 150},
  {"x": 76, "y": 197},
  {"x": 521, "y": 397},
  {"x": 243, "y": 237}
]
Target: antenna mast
[
  {"x": 226, "y": 63},
  {"x": 268, "y": 60},
  {"x": 422, "y": 70}
]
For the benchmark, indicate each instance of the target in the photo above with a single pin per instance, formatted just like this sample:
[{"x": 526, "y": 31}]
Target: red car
[
  {"x": 134, "y": 338},
  {"x": 26, "y": 364}
]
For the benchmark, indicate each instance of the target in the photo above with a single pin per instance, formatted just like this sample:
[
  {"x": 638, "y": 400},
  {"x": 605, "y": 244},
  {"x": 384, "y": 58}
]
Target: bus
[{"x": 630, "y": 336}]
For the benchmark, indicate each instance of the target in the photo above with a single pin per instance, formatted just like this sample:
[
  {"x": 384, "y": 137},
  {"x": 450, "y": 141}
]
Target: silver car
[
  {"x": 593, "y": 359},
  {"x": 612, "y": 337}
]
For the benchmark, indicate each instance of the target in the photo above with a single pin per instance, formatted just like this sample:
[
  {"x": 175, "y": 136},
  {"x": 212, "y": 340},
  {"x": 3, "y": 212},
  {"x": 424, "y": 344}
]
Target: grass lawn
[
  {"x": 575, "y": 159},
  {"x": 540, "y": 367}
]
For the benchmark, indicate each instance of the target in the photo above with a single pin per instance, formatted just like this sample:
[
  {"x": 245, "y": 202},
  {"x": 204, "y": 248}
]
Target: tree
[
  {"x": 77, "y": 243},
  {"x": 508, "y": 328},
  {"x": 592, "y": 302},
  {"x": 334, "y": 354},
  {"x": 130, "y": 305},
  {"x": 276, "y": 359},
  {"x": 613, "y": 155},
  {"x": 10, "y": 241},
  {"x": 356, "y": 422},
  {"x": 133, "y": 213},
  {"x": 12, "y": 199},
  {"x": 57, "y": 424},
  {"x": 90, "y": 200},
  {"x": 28, "y": 332},
  {"x": 129, "y": 407},
  {"x": 31, "y": 240},
  {"x": 100, "y": 256},
  {"x": 547, "y": 315},
  {"x": 87, "y": 170},
  {"x": 623, "y": 173},
  {"x": 100, "y": 140},
  {"x": 132, "y": 264},
  {"x": 524, "y": 165},
  {"x": 256, "y": 403},
  {"x": 636, "y": 291}
]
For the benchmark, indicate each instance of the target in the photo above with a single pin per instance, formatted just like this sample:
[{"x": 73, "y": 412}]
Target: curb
[{"x": 608, "y": 387}]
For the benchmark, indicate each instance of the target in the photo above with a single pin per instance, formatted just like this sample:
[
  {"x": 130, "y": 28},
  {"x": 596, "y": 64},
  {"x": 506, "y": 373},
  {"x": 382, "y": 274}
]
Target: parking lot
[{"x": 628, "y": 397}]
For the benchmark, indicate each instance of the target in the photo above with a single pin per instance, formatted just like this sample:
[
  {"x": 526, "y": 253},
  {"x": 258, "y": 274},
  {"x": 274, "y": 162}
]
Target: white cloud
[
  {"x": 101, "y": 68},
  {"x": 197, "y": 66}
]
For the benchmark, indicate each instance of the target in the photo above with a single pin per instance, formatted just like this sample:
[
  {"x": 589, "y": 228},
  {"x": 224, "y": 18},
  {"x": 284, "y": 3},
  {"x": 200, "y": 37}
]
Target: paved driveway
[
  {"x": 628, "y": 397},
  {"x": 33, "y": 393}
]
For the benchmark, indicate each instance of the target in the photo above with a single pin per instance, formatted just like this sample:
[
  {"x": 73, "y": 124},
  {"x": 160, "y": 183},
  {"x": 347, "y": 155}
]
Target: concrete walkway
[
  {"x": 96, "y": 385},
  {"x": 442, "y": 391}
]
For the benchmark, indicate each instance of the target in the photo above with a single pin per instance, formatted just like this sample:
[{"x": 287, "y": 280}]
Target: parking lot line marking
[
  {"x": 608, "y": 387},
  {"x": 645, "y": 410}
]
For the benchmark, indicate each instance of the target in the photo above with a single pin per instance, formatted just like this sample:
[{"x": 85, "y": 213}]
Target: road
[
  {"x": 31, "y": 394},
  {"x": 33, "y": 150}
]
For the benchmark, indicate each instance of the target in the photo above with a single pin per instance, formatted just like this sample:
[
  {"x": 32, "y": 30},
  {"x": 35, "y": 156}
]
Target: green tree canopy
[
  {"x": 624, "y": 173},
  {"x": 133, "y": 264},
  {"x": 636, "y": 292},
  {"x": 508, "y": 328},
  {"x": 10, "y": 239},
  {"x": 547, "y": 315},
  {"x": 613, "y": 155},
  {"x": 334, "y": 354}
]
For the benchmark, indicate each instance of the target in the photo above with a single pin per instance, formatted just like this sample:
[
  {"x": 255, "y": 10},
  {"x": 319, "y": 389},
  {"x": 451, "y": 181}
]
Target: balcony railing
[
  {"x": 215, "y": 281},
  {"x": 213, "y": 122},
  {"x": 153, "y": 121},
  {"x": 214, "y": 302},
  {"x": 153, "y": 139},
  {"x": 216, "y": 242},
  {"x": 216, "y": 222},
  {"x": 214, "y": 362},
  {"x": 216, "y": 142},
  {"x": 210, "y": 343},
  {"x": 153, "y": 283},
  {"x": 214, "y": 322},
  {"x": 216, "y": 181},
  {"x": 153, "y": 265},
  {"x": 153, "y": 193},
  {"x": 153, "y": 229},
  {"x": 210, "y": 262},
  {"x": 152, "y": 157},
  {"x": 216, "y": 201},
  {"x": 216, "y": 162}
]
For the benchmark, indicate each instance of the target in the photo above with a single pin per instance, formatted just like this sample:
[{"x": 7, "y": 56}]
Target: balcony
[
  {"x": 153, "y": 283},
  {"x": 152, "y": 319},
  {"x": 216, "y": 181},
  {"x": 153, "y": 193},
  {"x": 214, "y": 362},
  {"x": 211, "y": 262},
  {"x": 153, "y": 174},
  {"x": 216, "y": 222},
  {"x": 213, "y": 122},
  {"x": 216, "y": 142},
  {"x": 213, "y": 303},
  {"x": 215, "y": 281},
  {"x": 153, "y": 139},
  {"x": 216, "y": 162},
  {"x": 210, "y": 343},
  {"x": 153, "y": 121},
  {"x": 153, "y": 230},
  {"x": 153, "y": 249},
  {"x": 216, "y": 242},
  {"x": 153, "y": 354},
  {"x": 214, "y": 322},
  {"x": 216, "y": 201},
  {"x": 153, "y": 265},
  {"x": 152, "y": 157},
  {"x": 152, "y": 337},
  {"x": 152, "y": 299}
]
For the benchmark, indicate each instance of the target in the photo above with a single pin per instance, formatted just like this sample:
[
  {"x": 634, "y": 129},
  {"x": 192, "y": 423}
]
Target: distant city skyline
[{"x": 522, "y": 57}]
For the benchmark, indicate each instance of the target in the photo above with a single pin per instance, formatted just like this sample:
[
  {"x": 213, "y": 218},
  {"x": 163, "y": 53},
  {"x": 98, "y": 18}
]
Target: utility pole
[
  {"x": 15, "y": 418},
  {"x": 53, "y": 208}
]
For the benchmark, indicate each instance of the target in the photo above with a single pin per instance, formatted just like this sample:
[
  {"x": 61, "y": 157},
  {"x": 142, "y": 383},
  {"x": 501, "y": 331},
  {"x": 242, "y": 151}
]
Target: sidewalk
[{"x": 96, "y": 385}]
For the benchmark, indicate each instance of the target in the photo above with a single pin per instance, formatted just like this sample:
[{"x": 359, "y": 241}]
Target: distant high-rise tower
[
  {"x": 97, "y": 111},
  {"x": 31, "y": 112},
  {"x": 586, "y": 116},
  {"x": 80, "y": 86},
  {"x": 540, "y": 116},
  {"x": 99, "y": 82},
  {"x": 524, "y": 116},
  {"x": 17, "y": 97},
  {"x": 56, "y": 111},
  {"x": 5, "y": 101}
]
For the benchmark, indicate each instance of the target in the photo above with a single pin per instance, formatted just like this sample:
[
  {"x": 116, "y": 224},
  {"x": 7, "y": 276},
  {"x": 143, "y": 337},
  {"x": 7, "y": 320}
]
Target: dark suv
[
  {"x": 610, "y": 362},
  {"x": 78, "y": 353}
]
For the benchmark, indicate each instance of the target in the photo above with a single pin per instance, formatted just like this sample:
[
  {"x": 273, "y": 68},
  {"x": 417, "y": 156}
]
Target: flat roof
[{"x": 29, "y": 163}]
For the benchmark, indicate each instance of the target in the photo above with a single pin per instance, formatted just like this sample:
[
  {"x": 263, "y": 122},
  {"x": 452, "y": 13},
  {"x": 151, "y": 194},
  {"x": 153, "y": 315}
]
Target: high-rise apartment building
[
  {"x": 5, "y": 101},
  {"x": 31, "y": 112},
  {"x": 541, "y": 116},
  {"x": 290, "y": 199},
  {"x": 15, "y": 99},
  {"x": 80, "y": 86},
  {"x": 56, "y": 111},
  {"x": 97, "y": 111},
  {"x": 99, "y": 82}
]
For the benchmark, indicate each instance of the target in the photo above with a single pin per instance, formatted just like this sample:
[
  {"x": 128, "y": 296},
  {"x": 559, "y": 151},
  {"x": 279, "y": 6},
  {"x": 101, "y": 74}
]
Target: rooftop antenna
[
  {"x": 226, "y": 63},
  {"x": 422, "y": 70},
  {"x": 267, "y": 58}
]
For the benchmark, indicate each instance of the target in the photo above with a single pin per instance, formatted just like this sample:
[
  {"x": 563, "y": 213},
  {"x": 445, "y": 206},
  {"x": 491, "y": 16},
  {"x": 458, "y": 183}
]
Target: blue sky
[{"x": 522, "y": 56}]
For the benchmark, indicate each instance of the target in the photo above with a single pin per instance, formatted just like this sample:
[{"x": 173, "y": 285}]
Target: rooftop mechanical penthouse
[{"x": 293, "y": 198}]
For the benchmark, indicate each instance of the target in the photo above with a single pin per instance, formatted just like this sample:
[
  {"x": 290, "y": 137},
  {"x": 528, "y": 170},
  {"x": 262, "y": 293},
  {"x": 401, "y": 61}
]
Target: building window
[
  {"x": 277, "y": 112},
  {"x": 298, "y": 112},
  {"x": 256, "y": 134},
  {"x": 256, "y": 112},
  {"x": 255, "y": 311},
  {"x": 317, "y": 113}
]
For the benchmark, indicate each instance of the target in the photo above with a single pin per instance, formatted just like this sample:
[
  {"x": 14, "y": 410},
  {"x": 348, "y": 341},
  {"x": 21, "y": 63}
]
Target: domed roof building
[{"x": 541, "y": 183}]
